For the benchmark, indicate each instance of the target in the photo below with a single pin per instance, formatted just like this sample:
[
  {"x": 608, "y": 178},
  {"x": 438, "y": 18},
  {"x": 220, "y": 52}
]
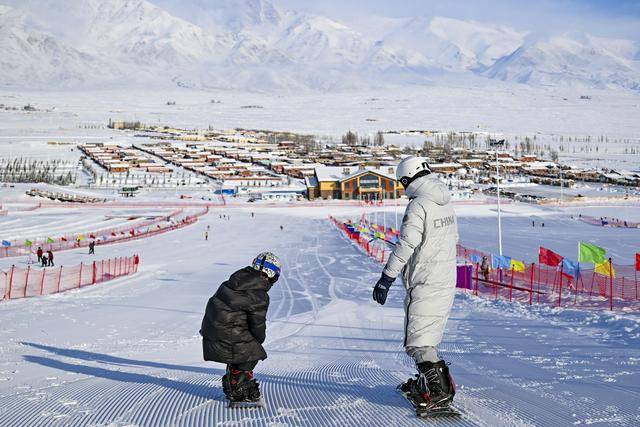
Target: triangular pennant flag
[
  {"x": 6, "y": 243},
  {"x": 64, "y": 239},
  {"x": 50, "y": 240},
  {"x": 28, "y": 242}
]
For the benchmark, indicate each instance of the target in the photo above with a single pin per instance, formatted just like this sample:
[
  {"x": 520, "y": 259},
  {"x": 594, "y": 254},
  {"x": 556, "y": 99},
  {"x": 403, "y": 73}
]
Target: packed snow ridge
[{"x": 255, "y": 44}]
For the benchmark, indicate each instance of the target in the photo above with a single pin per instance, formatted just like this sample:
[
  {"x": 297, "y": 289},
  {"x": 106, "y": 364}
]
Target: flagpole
[{"x": 499, "y": 211}]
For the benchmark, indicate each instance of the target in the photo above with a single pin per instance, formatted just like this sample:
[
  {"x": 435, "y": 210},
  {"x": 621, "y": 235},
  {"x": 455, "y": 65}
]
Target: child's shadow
[{"x": 377, "y": 394}]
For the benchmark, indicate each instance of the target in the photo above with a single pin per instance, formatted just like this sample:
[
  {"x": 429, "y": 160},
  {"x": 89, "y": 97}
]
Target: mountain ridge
[{"x": 247, "y": 44}]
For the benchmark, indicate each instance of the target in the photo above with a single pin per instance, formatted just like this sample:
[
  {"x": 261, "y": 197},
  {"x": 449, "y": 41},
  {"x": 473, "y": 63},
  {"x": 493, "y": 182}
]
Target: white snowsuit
[{"x": 426, "y": 256}]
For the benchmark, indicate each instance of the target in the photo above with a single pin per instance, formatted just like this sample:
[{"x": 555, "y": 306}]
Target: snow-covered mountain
[
  {"x": 591, "y": 61},
  {"x": 253, "y": 44}
]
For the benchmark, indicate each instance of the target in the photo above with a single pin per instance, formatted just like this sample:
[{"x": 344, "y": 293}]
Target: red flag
[
  {"x": 64, "y": 239},
  {"x": 132, "y": 233},
  {"x": 122, "y": 232},
  {"x": 113, "y": 233},
  {"x": 92, "y": 236},
  {"x": 548, "y": 257},
  {"x": 638, "y": 261}
]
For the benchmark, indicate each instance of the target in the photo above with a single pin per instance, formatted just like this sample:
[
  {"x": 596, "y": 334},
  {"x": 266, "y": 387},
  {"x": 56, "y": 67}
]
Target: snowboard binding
[
  {"x": 431, "y": 391},
  {"x": 240, "y": 386}
]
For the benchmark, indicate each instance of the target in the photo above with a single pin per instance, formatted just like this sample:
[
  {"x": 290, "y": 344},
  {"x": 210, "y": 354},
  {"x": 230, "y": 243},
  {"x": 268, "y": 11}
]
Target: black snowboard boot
[
  {"x": 435, "y": 384},
  {"x": 240, "y": 386}
]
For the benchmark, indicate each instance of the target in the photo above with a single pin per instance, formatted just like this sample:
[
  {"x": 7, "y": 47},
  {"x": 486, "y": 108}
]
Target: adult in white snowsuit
[{"x": 425, "y": 255}]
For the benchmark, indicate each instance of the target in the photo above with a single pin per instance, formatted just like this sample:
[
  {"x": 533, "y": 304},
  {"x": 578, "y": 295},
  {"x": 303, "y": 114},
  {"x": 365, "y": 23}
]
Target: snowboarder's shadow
[{"x": 376, "y": 394}]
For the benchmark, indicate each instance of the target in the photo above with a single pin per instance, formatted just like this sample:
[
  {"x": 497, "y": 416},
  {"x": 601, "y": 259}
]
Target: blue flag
[
  {"x": 570, "y": 268},
  {"x": 6, "y": 243},
  {"x": 475, "y": 258},
  {"x": 500, "y": 261}
]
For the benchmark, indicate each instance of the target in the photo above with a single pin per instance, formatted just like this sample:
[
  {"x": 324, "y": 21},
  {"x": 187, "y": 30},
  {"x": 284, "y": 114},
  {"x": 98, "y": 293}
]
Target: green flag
[
  {"x": 50, "y": 240},
  {"x": 28, "y": 242},
  {"x": 591, "y": 253}
]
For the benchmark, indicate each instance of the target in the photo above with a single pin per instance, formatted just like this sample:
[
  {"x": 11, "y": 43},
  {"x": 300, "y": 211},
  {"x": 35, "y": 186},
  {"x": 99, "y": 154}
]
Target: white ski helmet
[
  {"x": 269, "y": 264},
  {"x": 410, "y": 168}
]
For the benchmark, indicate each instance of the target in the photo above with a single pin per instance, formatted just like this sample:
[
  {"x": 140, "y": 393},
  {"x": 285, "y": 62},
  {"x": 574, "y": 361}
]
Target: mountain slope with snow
[{"x": 238, "y": 43}]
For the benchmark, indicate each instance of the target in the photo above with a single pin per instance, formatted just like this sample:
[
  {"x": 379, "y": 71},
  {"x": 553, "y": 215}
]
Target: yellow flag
[
  {"x": 517, "y": 265},
  {"x": 606, "y": 269},
  {"x": 80, "y": 237}
]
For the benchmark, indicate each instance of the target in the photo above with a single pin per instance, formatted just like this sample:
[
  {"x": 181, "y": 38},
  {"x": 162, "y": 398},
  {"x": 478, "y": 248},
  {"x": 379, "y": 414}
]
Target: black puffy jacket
[{"x": 234, "y": 324}]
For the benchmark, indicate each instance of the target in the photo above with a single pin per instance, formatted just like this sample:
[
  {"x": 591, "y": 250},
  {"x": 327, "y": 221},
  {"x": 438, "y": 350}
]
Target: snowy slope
[{"x": 128, "y": 352}]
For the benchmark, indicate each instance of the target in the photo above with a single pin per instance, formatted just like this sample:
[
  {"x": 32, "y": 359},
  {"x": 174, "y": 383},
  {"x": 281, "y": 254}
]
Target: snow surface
[{"x": 128, "y": 352}]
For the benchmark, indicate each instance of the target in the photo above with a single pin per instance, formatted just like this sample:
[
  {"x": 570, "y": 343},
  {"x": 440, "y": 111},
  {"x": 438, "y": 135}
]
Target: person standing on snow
[
  {"x": 39, "y": 252},
  {"x": 49, "y": 258},
  {"x": 426, "y": 256},
  {"x": 234, "y": 325}
]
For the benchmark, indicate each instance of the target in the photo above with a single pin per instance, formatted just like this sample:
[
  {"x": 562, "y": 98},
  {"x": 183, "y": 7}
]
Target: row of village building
[{"x": 248, "y": 163}]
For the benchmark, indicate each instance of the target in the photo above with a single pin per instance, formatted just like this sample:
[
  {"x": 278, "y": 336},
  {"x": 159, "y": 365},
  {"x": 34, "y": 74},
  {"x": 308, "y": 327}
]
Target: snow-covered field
[{"x": 128, "y": 352}]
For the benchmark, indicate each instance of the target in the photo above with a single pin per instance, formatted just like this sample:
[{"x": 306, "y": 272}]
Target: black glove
[{"x": 381, "y": 289}]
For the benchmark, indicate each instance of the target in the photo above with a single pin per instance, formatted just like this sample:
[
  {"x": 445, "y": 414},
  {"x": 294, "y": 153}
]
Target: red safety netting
[
  {"x": 35, "y": 281},
  {"x": 536, "y": 284},
  {"x": 142, "y": 230}
]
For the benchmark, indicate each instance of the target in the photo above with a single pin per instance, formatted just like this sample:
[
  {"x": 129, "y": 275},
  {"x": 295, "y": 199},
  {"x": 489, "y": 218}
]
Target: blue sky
[{"x": 618, "y": 18}]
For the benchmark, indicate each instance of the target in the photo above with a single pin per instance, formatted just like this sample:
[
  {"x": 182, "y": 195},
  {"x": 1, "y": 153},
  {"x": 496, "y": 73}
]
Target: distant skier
[
  {"x": 281, "y": 228},
  {"x": 92, "y": 247},
  {"x": 44, "y": 260},
  {"x": 39, "y": 252},
  {"x": 425, "y": 254},
  {"x": 234, "y": 326},
  {"x": 485, "y": 268},
  {"x": 206, "y": 235},
  {"x": 50, "y": 258}
]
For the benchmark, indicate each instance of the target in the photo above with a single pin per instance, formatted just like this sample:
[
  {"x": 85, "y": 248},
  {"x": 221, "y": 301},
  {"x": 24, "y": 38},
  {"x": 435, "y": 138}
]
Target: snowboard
[
  {"x": 421, "y": 412},
  {"x": 242, "y": 404}
]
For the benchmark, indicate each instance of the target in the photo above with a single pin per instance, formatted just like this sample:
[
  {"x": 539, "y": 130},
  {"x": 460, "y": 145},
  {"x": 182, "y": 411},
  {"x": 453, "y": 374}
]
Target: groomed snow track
[{"x": 130, "y": 354}]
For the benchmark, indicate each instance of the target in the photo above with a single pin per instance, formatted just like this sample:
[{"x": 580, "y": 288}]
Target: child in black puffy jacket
[{"x": 234, "y": 325}]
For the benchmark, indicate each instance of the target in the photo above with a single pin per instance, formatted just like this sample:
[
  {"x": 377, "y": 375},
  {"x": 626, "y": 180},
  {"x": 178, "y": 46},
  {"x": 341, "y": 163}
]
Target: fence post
[
  {"x": 610, "y": 285},
  {"x": 93, "y": 280},
  {"x": 26, "y": 281},
  {"x": 44, "y": 271},
  {"x": 101, "y": 270},
  {"x": 59, "y": 277},
  {"x": 80, "y": 275},
  {"x": 476, "y": 286},
  {"x": 13, "y": 267},
  {"x": 533, "y": 269},
  {"x": 511, "y": 285},
  {"x": 560, "y": 286}
]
